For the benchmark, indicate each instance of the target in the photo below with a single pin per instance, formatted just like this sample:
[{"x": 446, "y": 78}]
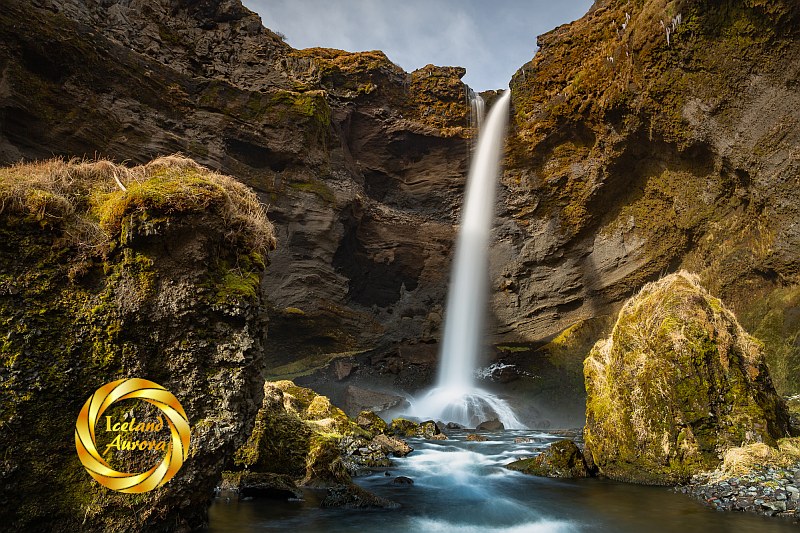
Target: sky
[{"x": 491, "y": 39}]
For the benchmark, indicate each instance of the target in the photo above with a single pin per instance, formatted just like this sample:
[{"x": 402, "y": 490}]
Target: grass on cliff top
[{"x": 86, "y": 200}]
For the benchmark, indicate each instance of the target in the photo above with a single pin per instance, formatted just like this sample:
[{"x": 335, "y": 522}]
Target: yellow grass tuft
[{"x": 88, "y": 200}]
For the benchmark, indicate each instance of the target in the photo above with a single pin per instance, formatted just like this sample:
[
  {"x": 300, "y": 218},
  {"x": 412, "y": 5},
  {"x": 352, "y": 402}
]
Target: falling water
[
  {"x": 456, "y": 398},
  {"x": 477, "y": 110}
]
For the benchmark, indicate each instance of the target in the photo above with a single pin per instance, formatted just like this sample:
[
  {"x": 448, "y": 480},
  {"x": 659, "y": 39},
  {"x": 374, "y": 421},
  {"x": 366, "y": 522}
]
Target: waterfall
[
  {"x": 477, "y": 109},
  {"x": 456, "y": 398}
]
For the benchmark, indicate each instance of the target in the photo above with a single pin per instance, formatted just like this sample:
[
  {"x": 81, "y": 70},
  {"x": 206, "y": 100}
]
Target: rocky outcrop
[
  {"x": 676, "y": 384},
  {"x": 562, "y": 459},
  {"x": 159, "y": 282},
  {"x": 632, "y": 155},
  {"x": 362, "y": 164},
  {"x": 299, "y": 434},
  {"x": 629, "y": 156}
]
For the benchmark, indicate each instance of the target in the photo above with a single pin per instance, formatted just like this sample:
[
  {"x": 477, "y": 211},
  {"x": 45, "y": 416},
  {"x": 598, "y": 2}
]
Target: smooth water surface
[{"x": 462, "y": 486}]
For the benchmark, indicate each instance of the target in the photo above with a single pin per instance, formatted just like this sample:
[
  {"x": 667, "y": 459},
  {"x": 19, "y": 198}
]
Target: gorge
[{"x": 631, "y": 154}]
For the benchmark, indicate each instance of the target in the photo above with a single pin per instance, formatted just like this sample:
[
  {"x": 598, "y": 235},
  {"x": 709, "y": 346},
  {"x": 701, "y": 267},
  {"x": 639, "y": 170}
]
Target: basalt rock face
[
  {"x": 629, "y": 156},
  {"x": 96, "y": 285},
  {"x": 361, "y": 163},
  {"x": 650, "y": 136}
]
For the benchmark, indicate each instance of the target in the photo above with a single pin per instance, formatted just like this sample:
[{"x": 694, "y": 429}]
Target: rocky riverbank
[{"x": 767, "y": 490}]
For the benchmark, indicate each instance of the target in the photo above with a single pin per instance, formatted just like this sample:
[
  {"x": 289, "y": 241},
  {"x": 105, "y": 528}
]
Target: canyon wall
[{"x": 629, "y": 157}]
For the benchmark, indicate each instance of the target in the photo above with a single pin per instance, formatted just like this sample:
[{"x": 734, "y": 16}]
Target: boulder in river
[
  {"x": 354, "y": 497},
  {"x": 676, "y": 384},
  {"x": 476, "y": 438},
  {"x": 563, "y": 459},
  {"x": 490, "y": 425},
  {"x": 392, "y": 445},
  {"x": 407, "y": 428}
]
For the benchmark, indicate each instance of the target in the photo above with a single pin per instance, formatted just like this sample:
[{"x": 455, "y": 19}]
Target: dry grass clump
[
  {"x": 742, "y": 460},
  {"x": 87, "y": 201}
]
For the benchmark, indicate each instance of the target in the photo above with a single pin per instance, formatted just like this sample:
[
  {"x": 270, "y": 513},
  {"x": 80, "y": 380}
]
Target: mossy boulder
[
  {"x": 301, "y": 434},
  {"x": 408, "y": 428},
  {"x": 354, "y": 497},
  {"x": 404, "y": 427},
  {"x": 371, "y": 422},
  {"x": 298, "y": 432},
  {"x": 563, "y": 459},
  {"x": 676, "y": 384}
]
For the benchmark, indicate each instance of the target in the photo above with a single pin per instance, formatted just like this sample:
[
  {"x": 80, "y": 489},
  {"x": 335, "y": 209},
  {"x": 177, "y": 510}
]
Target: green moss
[
  {"x": 307, "y": 365},
  {"x": 774, "y": 321},
  {"x": 318, "y": 188},
  {"x": 168, "y": 191},
  {"x": 372, "y": 423}
]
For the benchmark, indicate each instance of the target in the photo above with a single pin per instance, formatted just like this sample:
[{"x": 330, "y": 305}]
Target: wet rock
[
  {"x": 371, "y": 422},
  {"x": 354, "y": 497},
  {"x": 408, "y": 428},
  {"x": 357, "y": 399},
  {"x": 563, "y": 459},
  {"x": 453, "y": 425},
  {"x": 474, "y": 437},
  {"x": 392, "y": 445},
  {"x": 403, "y": 480},
  {"x": 522, "y": 440},
  {"x": 261, "y": 485},
  {"x": 490, "y": 425},
  {"x": 404, "y": 427},
  {"x": 428, "y": 430}
]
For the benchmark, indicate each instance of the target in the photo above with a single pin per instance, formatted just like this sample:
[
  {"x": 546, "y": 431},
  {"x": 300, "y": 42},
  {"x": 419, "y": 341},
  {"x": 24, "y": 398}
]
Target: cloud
[{"x": 492, "y": 40}]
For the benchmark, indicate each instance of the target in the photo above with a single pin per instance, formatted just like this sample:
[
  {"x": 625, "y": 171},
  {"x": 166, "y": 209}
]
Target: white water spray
[{"x": 456, "y": 397}]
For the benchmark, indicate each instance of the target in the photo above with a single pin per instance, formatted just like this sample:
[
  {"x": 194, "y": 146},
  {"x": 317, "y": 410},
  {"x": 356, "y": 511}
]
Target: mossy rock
[
  {"x": 299, "y": 433},
  {"x": 371, "y": 422},
  {"x": 99, "y": 284},
  {"x": 563, "y": 459},
  {"x": 676, "y": 384},
  {"x": 404, "y": 427},
  {"x": 408, "y": 428}
]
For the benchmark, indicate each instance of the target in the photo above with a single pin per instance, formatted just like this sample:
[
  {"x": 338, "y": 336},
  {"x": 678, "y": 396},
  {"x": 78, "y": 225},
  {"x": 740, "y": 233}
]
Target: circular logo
[{"x": 176, "y": 449}]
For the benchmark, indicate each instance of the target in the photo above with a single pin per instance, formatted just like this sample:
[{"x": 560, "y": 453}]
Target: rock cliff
[
  {"x": 633, "y": 152},
  {"x": 650, "y": 136},
  {"x": 96, "y": 284},
  {"x": 362, "y": 164}
]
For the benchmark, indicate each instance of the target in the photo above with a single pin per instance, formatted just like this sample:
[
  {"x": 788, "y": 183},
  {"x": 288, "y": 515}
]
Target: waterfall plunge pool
[{"x": 462, "y": 486}]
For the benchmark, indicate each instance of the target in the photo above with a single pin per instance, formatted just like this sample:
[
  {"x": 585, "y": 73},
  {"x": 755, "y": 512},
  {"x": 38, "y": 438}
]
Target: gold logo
[{"x": 177, "y": 448}]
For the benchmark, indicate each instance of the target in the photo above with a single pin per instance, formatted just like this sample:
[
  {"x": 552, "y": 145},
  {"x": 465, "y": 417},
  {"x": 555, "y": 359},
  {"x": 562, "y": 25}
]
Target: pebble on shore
[{"x": 767, "y": 490}]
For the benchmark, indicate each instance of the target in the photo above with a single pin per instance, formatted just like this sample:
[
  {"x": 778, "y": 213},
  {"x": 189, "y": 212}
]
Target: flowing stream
[
  {"x": 462, "y": 486},
  {"x": 456, "y": 398}
]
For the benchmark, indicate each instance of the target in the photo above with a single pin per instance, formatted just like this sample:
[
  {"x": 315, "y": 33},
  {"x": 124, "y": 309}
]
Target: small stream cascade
[{"x": 456, "y": 397}]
